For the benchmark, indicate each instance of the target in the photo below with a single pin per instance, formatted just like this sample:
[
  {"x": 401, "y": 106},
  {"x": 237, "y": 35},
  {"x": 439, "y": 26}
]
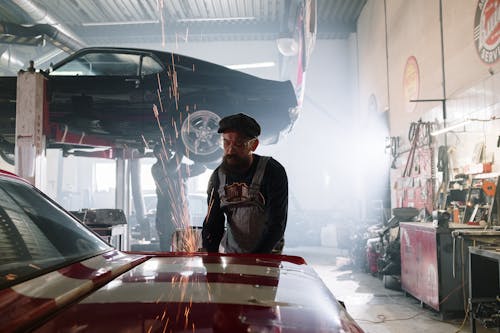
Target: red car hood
[{"x": 120, "y": 292}]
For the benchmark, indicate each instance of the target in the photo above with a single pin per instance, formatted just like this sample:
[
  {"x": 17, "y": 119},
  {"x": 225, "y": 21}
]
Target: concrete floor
[{"x": 375, "y": 308}]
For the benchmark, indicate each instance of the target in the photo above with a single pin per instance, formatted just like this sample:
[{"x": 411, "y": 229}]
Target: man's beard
[{"x": 236, "y": 164}]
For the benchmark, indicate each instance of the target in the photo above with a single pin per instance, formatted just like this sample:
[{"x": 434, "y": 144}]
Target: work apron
[{"x": 244, "y": 207}]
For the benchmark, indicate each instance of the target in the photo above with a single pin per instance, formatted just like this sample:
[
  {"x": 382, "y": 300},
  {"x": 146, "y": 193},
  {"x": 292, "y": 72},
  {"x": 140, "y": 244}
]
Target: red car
[{"x": 56, "y": 275}]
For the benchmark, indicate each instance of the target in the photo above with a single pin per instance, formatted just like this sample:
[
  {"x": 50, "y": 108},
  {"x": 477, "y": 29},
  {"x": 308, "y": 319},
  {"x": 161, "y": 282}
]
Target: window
[
  {"x": 36, "y": 235},
  {"x": 108, "y": 64},
  {"x": 150, "y": 66}
]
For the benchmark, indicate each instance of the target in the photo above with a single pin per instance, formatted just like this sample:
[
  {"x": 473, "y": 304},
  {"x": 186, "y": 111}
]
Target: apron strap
[
  {"x": 222, "y": 183},
  {"x": 259, "y": 172}
]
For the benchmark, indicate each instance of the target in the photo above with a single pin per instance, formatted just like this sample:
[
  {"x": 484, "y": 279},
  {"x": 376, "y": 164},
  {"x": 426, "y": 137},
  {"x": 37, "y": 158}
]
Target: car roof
[{"x": 166, "y": 57}]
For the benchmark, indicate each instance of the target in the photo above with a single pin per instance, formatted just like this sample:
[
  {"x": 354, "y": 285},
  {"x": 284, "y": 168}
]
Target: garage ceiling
[{"x": 40, "y": 29}]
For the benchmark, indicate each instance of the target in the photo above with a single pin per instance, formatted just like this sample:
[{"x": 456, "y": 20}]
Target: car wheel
[
  {"x": 391, "y": 282},
  {"x": 200, "y": 138},
  {"x": 7, "y": 150},
  {"x": 7, "y": 157}
]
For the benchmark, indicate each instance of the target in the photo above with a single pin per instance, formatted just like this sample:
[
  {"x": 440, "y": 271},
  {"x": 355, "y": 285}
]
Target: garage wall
[
  {"x": 414, "y": 60},
  {"x": 413, "y": 29},
  {"x": 372, "y": 59},
  {"x": 464, "y": 68}
]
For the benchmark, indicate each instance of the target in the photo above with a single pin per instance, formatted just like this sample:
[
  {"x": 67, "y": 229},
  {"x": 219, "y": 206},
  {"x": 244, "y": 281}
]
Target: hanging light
[{"x": 450, "y": 128}]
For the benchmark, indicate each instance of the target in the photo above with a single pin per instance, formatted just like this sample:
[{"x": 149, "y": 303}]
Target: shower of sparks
[
  {"x": 159, "y": 81},
  {"x": 210, "y": 204},
  {"x": 175, "y": 87},
  {"x": 34, "y": 266},
  {"x": 184, "y": 38},
  {"x": 145, "y": 142},
  {"x": 176, "y": 130},
  {"x": 163, "y": 139},
  {"x": 166, "y": 326},
  {"x": 159, "y": 98},
  {"x": 186, "y": 317},
  {"x": 188, "y": 238},
  {"x": 155, "y": 111},
  {"x": 10, "y": 277},
  {"x": 176, "y": 192}
]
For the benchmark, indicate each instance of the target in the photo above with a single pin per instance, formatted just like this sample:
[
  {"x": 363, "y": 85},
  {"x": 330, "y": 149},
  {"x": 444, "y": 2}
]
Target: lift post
[{"x": 31, "y": 113}]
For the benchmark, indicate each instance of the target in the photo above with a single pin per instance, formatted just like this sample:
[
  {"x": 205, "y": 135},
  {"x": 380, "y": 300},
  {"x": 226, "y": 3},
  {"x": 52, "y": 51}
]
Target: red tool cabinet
[{"x": 431, "y": 270}]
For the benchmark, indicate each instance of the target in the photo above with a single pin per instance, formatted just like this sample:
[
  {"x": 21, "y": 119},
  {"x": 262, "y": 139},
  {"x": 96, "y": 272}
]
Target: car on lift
[
  {"x": 57, "y": 275},
  {"x": 133, "y": 98}
]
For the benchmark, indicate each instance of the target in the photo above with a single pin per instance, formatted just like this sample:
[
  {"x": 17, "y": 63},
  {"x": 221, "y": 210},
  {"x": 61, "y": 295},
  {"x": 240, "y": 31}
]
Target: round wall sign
[
  {"x": 487, "y": 30},
  {"x": 411, "y": 84}
]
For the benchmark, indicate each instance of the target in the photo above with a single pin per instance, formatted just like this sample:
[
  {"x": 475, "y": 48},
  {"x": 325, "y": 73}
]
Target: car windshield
[
  {"x": 37, "y": 236},
  {"x": 109, "y": 64}
]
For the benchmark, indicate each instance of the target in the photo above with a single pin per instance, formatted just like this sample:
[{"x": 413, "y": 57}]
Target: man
[
  {"x": 170, "y": 176},
  {"x": 250, "y": 190}
]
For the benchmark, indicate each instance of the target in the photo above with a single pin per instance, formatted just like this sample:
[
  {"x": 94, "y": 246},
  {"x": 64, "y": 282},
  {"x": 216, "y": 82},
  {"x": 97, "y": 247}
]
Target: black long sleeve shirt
[{"x": 274, "y": 188}]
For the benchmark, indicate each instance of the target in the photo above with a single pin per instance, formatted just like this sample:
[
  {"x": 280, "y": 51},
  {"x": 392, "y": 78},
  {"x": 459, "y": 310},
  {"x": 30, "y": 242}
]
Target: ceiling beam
[{"x": 180, "y": 32}]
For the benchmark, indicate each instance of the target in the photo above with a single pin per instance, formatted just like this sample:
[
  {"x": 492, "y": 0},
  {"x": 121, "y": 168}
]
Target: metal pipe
[{"x": 60, "y": 32}]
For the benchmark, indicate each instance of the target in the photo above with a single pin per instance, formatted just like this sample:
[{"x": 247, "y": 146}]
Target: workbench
[
  {"x": 110, "y": 224},
  {"x": 116, "y": 235},
  {"x": 434, "y": 265},
  {"x": 484, "y": 287}
]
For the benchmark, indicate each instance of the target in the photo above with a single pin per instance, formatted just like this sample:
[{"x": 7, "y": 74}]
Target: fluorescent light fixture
[
  {"x": 253, "y": 65},
  {"x": 451, "y": 128},
  {"x": 97, "y": 24},
  {"x": 216, "y": 19},
  {"x": 49, "y": 56},
  {"x": 66, "y": 73}
]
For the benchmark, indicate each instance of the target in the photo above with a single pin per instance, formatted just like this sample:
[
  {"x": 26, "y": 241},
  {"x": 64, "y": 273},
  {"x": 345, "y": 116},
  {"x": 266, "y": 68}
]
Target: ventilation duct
[{"x": 57, "y": 33}]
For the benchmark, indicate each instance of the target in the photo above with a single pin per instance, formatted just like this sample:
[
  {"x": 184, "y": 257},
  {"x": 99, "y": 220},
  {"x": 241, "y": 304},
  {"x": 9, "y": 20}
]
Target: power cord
[{"x": 383, "y": 319}]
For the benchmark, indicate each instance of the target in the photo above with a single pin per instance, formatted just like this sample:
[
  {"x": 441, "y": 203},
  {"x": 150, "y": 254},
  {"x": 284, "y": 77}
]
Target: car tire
[
  {"x": 7, "y": 157},
  {"x": 391, "y": 282},
  {"x": 199, "y": 136},
  {"x": 7, "y": 150}
]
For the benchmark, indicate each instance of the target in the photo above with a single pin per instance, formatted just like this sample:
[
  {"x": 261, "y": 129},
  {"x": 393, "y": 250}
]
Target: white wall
[
  {"x": 413, "y": 29},
  {"x": 469, "y": 85}
]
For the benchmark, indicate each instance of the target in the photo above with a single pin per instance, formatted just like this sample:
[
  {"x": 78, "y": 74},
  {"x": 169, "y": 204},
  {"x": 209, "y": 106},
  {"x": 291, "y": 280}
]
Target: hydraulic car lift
[
  {"x": 31, "y": 115},
  {"x": 34, "y": 130}
]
